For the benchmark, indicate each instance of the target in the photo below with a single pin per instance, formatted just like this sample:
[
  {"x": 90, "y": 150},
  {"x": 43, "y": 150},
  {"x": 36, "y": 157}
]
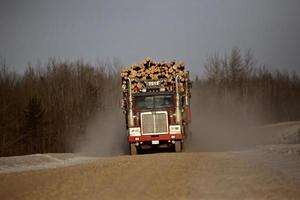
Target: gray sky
[{"x": 129, "y": 30}]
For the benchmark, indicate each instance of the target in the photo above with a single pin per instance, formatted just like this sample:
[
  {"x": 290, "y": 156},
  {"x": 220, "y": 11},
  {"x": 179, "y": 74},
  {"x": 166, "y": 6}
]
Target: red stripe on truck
[{"x": 161, "y": 137}]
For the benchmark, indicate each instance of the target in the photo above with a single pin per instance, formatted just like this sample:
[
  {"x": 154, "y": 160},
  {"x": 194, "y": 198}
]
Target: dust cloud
[
  {"x": 105, "y": 135},
  {"x": 225, "y": 124},
  {"x": 218, "y": 124}
]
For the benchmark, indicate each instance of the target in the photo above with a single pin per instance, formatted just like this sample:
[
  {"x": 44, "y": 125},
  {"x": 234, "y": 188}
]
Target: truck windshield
[{"x": 150, "y": 102}]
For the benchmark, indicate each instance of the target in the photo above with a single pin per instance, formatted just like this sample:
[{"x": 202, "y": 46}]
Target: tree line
[
  {"x": 238, "y": 86},
  {"x": 46, "y": 109}
]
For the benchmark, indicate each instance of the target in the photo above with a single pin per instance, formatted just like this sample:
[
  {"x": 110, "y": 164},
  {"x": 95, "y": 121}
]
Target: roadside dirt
[
  {"x": 269, "y": 168},
  {"x": 155, "y": 176}
]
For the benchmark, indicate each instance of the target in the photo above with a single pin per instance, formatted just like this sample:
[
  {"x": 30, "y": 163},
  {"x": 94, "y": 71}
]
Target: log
[{"x": 149, "y": 70}]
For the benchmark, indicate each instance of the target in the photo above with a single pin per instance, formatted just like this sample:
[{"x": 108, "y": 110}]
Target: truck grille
[{"x": 154, "y": 122}]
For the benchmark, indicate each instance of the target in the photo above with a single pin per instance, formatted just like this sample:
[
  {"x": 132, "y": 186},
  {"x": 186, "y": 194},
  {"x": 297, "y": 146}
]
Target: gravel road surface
[
  {"x": 222, "y": 175},
  {"x": 268, "y": 169}
]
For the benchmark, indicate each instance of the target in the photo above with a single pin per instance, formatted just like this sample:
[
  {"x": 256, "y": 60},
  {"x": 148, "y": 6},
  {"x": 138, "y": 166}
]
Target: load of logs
[{"x": 164, "y": 72}]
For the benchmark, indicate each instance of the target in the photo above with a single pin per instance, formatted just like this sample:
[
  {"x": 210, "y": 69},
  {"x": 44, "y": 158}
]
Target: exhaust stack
[
  {"x": 130, "y": 112},
  {"x": 177, "y": 111},
  {"x": 187, "y": 99}
]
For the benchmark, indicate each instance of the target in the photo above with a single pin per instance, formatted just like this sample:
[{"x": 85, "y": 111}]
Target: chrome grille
[
  {"x": 148, "y": 123},
  {"x": 161, "y": 122},
  {"x": 154, "y": 122}
]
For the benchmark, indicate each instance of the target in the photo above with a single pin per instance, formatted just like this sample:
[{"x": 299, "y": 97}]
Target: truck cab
[{"x": 154, "y": 120}]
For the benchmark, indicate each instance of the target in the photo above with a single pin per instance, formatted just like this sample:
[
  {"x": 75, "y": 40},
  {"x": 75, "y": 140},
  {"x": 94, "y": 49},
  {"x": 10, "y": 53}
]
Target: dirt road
[
  {"x": 155, "y": 176},
  {"x": 270, "y": 170}
]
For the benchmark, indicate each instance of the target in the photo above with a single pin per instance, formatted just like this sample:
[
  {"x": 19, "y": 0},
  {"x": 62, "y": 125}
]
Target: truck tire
[
  {"x": 133, "y": 150},
  {"x": 178, "y": 146}
]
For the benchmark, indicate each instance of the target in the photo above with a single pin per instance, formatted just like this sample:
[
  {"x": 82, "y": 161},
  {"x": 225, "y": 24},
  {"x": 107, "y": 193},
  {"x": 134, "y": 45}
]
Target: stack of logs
[{"x": 165, "y": 72}]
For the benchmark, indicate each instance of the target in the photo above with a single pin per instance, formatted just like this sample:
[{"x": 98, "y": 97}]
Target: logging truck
[{"x": 156, "y": 104}]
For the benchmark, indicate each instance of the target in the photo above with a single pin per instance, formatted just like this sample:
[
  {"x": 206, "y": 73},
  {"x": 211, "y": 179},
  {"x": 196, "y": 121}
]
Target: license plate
[{"x": 155, "y": 142}]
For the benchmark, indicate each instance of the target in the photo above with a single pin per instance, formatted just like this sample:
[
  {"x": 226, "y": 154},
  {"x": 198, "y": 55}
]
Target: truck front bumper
[{"x": 149, "y": 138}]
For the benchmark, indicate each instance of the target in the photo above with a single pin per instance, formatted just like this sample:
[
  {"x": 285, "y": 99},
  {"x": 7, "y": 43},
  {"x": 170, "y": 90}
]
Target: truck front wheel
[
  {"x": 178, "y": 146},
  {"x": 133, "y": 150}
]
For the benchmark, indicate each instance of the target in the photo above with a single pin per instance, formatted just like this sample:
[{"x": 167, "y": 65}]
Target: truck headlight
[
  {"x": 175, "y": 129},
  {"x": 136, "y": 131}
]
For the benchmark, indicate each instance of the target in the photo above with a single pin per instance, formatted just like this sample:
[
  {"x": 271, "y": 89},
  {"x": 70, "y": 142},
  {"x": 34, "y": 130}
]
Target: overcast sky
[{"x": 129, "y": 30}]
